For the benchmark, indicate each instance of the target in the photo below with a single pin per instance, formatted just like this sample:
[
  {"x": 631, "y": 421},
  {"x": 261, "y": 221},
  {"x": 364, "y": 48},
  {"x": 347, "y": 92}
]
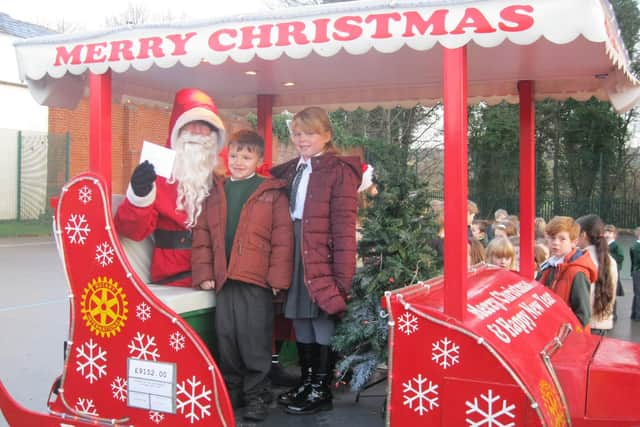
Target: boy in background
[
  {"x": 568, "y": 272},
  {"x": 243, "y": 249}
]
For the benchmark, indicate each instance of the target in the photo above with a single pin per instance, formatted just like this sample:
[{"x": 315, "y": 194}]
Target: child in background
[
  {"x": 243, "y": 248},
  {"x": 539, "y": 227},
  {"x": 541, "y": 254},
  {"x": 476, "y": 252},
  {"x": 568, "y": 272},
  {"x": 479, "y": 231},
  {"x": 323, "y": 205},
  {"x": 500, "y": 252},
  {"x": 634, "y": 253},
  {"x": 616, "y": 252},
  {"x": 603, "y": 290}
]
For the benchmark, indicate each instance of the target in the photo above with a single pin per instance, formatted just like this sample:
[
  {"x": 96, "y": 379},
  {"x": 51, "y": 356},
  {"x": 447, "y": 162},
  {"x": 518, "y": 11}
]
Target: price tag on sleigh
[{"x": 152, "y": 385}]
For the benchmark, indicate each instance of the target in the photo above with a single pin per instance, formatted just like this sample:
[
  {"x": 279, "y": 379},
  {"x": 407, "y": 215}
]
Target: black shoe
[
  {"x": 281, "y": 378},
  {"x": 318, "y": 399},
  {"x": 296, "y": 393},
  {"x": 267, "y": 397},
  {"x": 305, "y": 354},
  {"x": 256, "y": 410}
]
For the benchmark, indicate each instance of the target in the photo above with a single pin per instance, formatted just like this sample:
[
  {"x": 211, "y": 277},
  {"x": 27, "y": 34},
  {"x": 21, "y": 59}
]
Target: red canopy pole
[
  {"x": 100, "y": 125},
  {"x": 265, "y": 126},
  {"x": 455, "y": 181},
  {"x": 527, "y": 177}
]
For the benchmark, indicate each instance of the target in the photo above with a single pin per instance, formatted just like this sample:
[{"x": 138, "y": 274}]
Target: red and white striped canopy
[{"x": 356, "y": 54}]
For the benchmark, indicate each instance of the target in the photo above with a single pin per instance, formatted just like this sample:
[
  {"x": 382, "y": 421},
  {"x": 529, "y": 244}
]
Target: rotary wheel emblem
[
  {"x": 104, "y": 307},
  {"x": 551, "y": 401}
]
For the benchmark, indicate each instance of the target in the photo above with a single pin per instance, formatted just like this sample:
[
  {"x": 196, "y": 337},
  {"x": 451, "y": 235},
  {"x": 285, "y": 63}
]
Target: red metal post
[
  {"x": 527, "y": 177},
  {"x": 455, "y": 181},
  {"x": 100, "y": 125},
  {"x": 265, "y": 125}
]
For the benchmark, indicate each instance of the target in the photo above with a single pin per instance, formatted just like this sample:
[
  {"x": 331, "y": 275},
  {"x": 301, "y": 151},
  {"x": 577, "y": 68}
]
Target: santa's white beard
[{"x": 196, "y": 158}]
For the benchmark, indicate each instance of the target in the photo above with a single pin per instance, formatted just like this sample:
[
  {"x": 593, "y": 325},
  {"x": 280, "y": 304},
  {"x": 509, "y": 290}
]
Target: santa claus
[{"x": 169, "y": 208}]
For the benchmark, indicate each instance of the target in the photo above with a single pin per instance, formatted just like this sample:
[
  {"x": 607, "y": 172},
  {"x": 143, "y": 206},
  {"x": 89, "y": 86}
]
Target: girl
[
  {"x": 603, "y": 292},
  {"x": 501, "y": 252},
  {"x": 323, "y": 203}
]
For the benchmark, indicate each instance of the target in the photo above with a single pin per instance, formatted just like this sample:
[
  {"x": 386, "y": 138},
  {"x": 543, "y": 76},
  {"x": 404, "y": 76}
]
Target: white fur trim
[
  {"x": 144, "y": 201},
  {"x": 203, "y": 114},
  {"x": 367, "y": 179}
]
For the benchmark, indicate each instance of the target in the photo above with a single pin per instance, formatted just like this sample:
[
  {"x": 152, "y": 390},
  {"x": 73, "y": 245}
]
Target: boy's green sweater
[{"x": 237, "y": 194}]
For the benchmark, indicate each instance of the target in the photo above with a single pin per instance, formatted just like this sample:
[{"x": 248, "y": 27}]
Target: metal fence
[
  {"x": 37, "y": 166},
  {"x": 623, "y": 213}
]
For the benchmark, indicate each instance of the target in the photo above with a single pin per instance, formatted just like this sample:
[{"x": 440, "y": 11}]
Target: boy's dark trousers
[
  {"x": 244, "y": 330},
  {"x": 635, "y": 307}
]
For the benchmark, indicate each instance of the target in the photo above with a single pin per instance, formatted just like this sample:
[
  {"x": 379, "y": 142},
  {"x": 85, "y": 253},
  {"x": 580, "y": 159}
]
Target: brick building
[{"x": 132, "y": 123}]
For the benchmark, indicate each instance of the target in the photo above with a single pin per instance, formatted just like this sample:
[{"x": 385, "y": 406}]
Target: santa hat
[
  {"x": 192, "y": 105},
  {"x": 367, "y": 177}
]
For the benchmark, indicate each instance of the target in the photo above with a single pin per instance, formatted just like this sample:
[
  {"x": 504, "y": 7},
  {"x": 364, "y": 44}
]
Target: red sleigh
[
  {"x": 519, "y": 358},
  {"x": 130, "y": 359},
  {"x": 355, "y": 54}
]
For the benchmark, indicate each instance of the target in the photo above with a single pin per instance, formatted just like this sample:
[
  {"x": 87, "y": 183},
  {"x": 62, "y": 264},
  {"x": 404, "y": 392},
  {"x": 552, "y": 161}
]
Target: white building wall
[
  {"x": 18, "y": 111},
  {"x": 8, "y": 174}
]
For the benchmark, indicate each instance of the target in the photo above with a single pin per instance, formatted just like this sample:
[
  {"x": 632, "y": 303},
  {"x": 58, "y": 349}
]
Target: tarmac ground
[{"x": 34, "y": 317}]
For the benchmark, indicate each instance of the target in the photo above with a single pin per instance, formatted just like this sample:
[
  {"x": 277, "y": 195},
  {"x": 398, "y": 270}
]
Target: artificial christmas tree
[{"x": 397, "y": 227}]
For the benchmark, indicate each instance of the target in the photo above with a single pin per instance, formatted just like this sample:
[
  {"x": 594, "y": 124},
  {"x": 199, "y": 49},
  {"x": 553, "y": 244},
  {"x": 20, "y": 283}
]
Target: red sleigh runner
[{"x": 130, "y": 359}]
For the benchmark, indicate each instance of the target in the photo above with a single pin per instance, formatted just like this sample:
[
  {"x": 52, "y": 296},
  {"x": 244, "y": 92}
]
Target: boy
[
  {"x": 568, "y": 272},
  {"x": 634, "y": 252},
  {"x": 243, "y": 248}
]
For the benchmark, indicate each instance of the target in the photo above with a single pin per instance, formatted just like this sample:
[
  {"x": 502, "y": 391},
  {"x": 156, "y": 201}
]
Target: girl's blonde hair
[
  {"x": 313, "y": 120},
  {"x": 501, "y": 247}
]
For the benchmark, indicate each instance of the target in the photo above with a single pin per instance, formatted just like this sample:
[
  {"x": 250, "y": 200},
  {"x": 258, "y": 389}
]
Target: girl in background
[
  {"x": 501, "y": 252},
  {"x": 603, "y": 292}
]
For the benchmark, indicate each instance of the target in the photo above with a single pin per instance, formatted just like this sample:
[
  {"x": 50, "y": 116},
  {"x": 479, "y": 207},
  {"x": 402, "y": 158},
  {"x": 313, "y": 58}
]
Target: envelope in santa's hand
[{"x": 160, "y": 157}]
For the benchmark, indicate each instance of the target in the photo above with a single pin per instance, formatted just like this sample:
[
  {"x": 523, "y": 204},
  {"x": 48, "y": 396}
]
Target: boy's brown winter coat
[
  {"x": 262, "y": 251},
  {"x": 328, "y": 227}
]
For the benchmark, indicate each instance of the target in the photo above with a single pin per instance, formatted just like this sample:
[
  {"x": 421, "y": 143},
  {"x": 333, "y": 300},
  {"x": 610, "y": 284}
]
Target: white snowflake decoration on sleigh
[
  {"x": 420, "y": 394},
  {"x": 143, "y": 347},
  {"x": 408, "y": 323},
  {"x": 77, "y": 229},
  {"x": 156, "y": 417},
  {"x": 92, "y": 359},
  {"x": 84, "y": 194},
  {"x": 119, "y": 389},
  {"x": 176, "y": 341},
  {"x": 196, "y": 404},
  {"x": 488, "y": 413},
  {"x": 86, "y": 406},
  {"x": 445, "y": 353},
  {"x": 104, "y": 254},
  {"x": 143, "y": 311}
]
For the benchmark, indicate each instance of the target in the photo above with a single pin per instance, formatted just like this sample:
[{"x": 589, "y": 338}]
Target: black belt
[
  {"x": 166, "y": 239},
  {"x": 173, "y": 278}
]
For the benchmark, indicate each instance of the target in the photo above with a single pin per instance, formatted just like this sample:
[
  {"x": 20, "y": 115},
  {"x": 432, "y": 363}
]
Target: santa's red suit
[{"x": 156, "y": 213}]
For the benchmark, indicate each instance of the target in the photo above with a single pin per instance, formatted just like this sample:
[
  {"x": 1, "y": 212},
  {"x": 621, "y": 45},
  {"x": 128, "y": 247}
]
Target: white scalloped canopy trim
[{"x": 536, "y": 27}]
